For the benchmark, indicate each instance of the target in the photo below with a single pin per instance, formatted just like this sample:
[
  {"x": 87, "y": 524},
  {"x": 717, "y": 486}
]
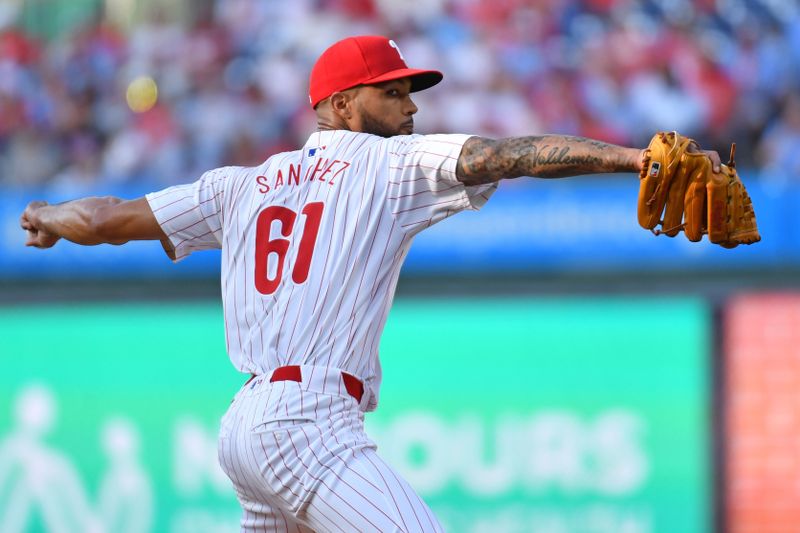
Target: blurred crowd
[{"x": 232, "y": 80}]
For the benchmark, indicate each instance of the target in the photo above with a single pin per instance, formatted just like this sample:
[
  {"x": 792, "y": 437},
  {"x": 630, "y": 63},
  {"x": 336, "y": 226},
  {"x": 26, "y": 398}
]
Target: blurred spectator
[
  {"x": 232, "y": 79},
  {"x": 30, "y": 158},
  {"x": 82, "y": 169},
  {"x": 660, "y": 102},
  {"x": 778, "y": 152}
]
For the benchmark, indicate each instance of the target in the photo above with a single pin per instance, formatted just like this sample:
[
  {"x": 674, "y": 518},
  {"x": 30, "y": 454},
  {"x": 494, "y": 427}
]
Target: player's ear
[{"x": 342, "y": 104}]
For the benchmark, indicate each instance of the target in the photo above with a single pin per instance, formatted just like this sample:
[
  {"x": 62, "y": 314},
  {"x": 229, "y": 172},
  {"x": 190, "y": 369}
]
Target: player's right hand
[{"x": 36, "y": 236}]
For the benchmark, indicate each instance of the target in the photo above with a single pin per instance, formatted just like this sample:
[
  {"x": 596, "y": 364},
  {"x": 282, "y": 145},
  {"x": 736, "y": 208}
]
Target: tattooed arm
[{"x": 548, "y": 156}]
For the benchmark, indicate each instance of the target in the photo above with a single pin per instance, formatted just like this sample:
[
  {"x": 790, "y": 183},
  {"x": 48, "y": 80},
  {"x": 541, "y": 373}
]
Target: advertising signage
[{"x": 516, "y": 415}]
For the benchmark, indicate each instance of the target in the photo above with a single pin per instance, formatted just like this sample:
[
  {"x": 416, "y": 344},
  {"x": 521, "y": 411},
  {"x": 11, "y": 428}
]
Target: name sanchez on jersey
[{"x": 324, "y": 170}]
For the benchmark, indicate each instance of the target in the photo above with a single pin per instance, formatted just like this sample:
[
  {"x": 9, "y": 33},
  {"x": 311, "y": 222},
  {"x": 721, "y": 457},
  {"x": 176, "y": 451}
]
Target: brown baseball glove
[{"x": 677, "y": 181}]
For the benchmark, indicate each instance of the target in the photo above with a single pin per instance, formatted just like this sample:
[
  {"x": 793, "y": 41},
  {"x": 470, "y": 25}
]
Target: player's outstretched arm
[
  {"x": 90, "y": 221},
  {"x": 485, "y": 160}
]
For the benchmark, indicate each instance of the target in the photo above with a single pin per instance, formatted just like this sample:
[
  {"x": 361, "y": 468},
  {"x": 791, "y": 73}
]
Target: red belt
[{"x": 352, "y": 384}]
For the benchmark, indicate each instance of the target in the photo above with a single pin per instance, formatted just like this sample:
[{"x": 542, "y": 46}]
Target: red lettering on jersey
[
  {"x": 313, "y": 213},
  {"x": 327, "y": 169},
  {"x": 266, "y": 247},
  {"x": 294, "y": 174},
  {"x": 308, "y": 171},
  {"x": 345, "y": 164},
  {"x": 264, "y": 187},
  {"x": 320, "y": 164},
  {"x": 324, "y": 171}
]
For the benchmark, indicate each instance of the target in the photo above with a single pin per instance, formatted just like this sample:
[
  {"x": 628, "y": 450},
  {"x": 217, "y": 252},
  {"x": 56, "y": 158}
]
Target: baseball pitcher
[{"x": 312, "y": 244}]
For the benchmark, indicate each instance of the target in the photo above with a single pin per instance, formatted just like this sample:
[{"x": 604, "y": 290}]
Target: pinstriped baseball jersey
[{"x": 313, "y": 241}]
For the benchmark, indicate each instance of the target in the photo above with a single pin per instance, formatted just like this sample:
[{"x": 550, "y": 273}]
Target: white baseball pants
[{"x": 300, "y": 461}]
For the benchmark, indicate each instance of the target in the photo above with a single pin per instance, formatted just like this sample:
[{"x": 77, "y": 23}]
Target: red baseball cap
[{"x": 363, "y": 60}]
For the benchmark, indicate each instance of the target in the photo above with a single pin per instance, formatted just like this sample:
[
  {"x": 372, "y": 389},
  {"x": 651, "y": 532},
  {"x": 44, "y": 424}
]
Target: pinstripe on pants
[{"x": 301, "y": 461}]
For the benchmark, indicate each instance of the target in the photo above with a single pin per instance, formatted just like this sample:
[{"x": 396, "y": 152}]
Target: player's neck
[
  {"x": 329, "y": 125},
  {"x": 328, "y": 119}
]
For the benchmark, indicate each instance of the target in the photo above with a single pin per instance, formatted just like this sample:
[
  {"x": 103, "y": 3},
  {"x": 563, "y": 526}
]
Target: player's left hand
[
  {"x": 683, "y": 188},
  {"x": 716, "y": 161},
  {"x": 36, "y": 236}
]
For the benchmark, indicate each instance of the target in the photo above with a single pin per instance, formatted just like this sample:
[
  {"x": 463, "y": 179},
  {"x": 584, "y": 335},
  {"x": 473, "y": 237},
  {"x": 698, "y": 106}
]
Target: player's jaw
[
  {"x": 386, "y": 109},
  {"x": 384, "y": 127}
]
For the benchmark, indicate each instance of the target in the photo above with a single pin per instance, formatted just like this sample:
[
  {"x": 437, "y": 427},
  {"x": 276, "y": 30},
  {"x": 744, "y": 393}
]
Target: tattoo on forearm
[
  {"x": 552, "y": 159},
  {"x": 552, "y": 156}
]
